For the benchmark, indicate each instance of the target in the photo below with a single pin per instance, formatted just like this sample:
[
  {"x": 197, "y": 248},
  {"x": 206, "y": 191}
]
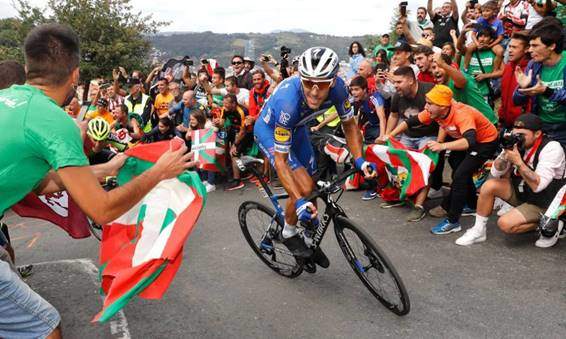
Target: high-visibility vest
[
  {"x": 328, "y": 112},
  {"x": 138, "y": 109}
]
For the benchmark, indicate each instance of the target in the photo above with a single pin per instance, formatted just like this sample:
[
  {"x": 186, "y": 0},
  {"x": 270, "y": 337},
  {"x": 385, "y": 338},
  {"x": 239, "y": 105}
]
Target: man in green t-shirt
[
  {"x": 542, "y": 82},
  {"x": 42, "y": 152},
  {"x": 463, "y": 86},
  {"x": 384, "y": 43},
  {"x": 482, "y": 62}
]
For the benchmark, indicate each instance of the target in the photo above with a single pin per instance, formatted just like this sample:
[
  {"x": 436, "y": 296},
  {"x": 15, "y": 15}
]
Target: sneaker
[
  {"x": 247, "y": 177},
  {"x": 546, "y": 242},
  {"x": 472, "y": 236},
  {"x": 417, "y": 214},
  {"x": 438, "y": 212},
  {"x": 369, "y": 195},
  {"x": 446, "y": 227},
  {"x": 391, "y": 204},
  {"x": 210, "y": 188},
  {"x": 435, "y": 194},
  {"x": 297, "y": 246},
  {"x": 236, "y": 185},
  {"x": 505, "y": 207},
  {"x": 468, "y": 212}
]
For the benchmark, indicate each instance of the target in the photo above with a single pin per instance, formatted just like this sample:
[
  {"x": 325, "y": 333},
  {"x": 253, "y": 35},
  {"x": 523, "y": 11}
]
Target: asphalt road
[{"x": 502, "y": 288}]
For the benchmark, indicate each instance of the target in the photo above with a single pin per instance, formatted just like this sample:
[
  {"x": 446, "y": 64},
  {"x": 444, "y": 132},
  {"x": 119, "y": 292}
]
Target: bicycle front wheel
[
  {"x": 372, "y": 266},
  {"x": 258, "y": 222}
]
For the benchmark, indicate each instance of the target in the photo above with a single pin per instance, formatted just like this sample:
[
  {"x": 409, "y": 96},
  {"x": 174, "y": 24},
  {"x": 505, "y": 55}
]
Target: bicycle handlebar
[{"x": 332, "y": 185}]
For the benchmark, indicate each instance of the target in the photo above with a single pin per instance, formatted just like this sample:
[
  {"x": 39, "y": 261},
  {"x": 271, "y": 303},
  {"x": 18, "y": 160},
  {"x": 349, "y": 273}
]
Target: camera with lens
[
  {"x": 187, "y": 61},
  {"x": 285, "y": 51},
  {"x": 510, "y": 139}
]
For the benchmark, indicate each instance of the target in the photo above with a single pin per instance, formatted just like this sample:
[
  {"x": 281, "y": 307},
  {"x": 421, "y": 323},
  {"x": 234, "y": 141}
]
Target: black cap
[
  {"x": 102, "y": 102},
  {"x": 528, "y": 121},
  {"x": 385, "y": 35},
  {"x": 134, "y": 81},
  {"x": 401, "y": 46}
]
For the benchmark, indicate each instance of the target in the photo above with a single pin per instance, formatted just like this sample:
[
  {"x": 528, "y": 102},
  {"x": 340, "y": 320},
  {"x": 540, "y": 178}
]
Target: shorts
[
  {"x": 530, "y": 212},
  {"x": 23, "y": 313},
  {"x": 301, "y": 153},
  {"x": 416, "y": 143}
]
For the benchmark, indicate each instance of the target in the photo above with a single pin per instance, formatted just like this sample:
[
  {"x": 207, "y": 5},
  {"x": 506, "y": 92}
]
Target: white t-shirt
[
  {"x": 533, "y": 19},
  {"x": 550, "y": 165},
  {"x": 243, "y": 96}
]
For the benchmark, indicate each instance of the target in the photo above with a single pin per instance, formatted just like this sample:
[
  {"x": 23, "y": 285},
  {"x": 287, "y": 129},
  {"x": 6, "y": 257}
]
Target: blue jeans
[
  {"x": 23, "y": 313},
  {"x": 416, "y": 143}
]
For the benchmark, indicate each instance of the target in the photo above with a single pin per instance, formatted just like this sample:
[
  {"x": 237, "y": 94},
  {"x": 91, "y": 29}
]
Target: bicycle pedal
[{"x": 309, "y": 266}]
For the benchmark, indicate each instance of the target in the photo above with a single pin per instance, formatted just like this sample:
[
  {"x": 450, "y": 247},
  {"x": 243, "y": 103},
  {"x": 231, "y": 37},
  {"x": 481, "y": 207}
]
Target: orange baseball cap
[{"x": 440, "y": 95}]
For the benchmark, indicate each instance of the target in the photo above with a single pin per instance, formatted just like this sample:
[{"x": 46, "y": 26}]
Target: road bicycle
[{"x": 262, "y": 225}]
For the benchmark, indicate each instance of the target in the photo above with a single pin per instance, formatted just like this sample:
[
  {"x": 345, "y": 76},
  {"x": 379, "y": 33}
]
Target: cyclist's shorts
[{"x": 301, "y": 154}]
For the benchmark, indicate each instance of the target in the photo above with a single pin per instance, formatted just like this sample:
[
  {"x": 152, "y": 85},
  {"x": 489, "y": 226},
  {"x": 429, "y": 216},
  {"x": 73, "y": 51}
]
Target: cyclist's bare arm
[
  {"x": 353, "y": 137},
  {"x": 102, "y": 206}
]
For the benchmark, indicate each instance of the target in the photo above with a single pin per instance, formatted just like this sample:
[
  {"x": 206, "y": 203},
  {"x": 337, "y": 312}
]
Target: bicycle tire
[
  {"x": 95, "y": 229},
  {"x": 376, "y": 259},
  {"x": 289, "y": 270}
]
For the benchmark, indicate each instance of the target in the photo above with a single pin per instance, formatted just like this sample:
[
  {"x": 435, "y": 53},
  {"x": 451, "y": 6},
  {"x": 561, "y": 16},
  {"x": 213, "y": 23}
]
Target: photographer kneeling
[{"x": 527, "y": 174}]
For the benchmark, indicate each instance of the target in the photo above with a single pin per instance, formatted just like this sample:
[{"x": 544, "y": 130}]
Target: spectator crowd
[{"x": 482, "y": 86}]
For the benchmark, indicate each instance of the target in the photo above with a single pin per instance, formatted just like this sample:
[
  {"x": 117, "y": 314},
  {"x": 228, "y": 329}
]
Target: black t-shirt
[
  {"x": 244, "y": 80},
  {"x": 408, "y": 107},
  {"x": 442, "y": 27}
]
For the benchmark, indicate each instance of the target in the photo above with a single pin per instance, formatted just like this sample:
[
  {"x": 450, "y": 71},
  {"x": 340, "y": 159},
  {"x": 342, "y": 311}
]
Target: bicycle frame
[{"x": 332, "y": 209}]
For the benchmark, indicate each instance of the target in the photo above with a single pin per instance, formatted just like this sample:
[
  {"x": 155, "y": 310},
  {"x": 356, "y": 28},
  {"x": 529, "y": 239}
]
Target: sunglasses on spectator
[
  {"x": 237, "y": 62},
  {"x": 321, "y": 84},
  {"x": 425, "y": 35}
]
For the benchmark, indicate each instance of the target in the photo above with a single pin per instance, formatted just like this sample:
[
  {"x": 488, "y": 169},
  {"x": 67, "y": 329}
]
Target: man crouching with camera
[{"x": 527, "y": 174}]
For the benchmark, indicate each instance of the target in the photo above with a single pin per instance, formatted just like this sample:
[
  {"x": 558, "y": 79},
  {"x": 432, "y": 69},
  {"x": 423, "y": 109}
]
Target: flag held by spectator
[
  {"x": 207, "y": 151},
  {"x": 408, "y": 170},
  {"x": 57, "y": 208},
  {"x": 142, "y": 250}
]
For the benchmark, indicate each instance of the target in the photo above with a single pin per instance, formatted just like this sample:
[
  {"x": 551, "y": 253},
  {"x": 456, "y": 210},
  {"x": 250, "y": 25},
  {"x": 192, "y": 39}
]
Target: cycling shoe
[
  {"x": 320, "y": 258},
  {"x": 297, "y": 246}
]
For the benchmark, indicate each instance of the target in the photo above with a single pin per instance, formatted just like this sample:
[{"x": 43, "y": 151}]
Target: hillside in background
[{"x": 224, "y": 46}]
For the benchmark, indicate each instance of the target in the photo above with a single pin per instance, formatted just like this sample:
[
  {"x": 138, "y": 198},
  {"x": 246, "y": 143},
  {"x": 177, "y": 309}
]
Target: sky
[{"x": 334, "y": 17}]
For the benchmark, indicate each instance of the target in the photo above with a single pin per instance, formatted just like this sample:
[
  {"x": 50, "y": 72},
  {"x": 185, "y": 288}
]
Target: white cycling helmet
[
  {"x": 98, "y": 129},
  {"x": 318, "y": 63}
]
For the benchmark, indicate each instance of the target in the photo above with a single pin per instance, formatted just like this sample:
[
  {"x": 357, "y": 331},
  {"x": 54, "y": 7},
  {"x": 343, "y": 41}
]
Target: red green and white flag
[
  {"x": 558, "y": 205},
  {"x": 207, "y": 151},
  {"x": 408, "y": 170},
  {"x": 141, "y": 251}
]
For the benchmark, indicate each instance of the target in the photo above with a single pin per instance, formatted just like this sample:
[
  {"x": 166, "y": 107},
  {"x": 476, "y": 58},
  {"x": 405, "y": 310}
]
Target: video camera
[{"x": 509, "y": 140}]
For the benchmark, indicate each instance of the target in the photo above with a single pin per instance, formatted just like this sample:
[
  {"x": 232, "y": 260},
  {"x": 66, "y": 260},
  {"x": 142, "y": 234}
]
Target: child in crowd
[
  {"x": 197, "y": 121},
  {"x": 488, "y": 19}
]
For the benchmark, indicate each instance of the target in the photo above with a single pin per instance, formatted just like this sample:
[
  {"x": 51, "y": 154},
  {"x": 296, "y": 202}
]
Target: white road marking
[{"x": 119, "y": 323}]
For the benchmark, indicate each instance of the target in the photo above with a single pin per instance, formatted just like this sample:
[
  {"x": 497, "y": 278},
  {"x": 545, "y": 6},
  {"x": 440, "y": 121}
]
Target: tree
[{"x": 111, "y": 33}]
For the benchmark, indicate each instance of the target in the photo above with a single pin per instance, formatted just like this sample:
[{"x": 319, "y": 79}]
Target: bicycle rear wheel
[
  {"x": 256, "y": 221},
  {"x": 372, "y": 266}
]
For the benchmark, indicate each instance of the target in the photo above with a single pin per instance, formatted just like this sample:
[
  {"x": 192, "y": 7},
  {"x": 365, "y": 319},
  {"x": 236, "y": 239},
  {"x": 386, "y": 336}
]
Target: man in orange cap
[{"x": 472, "y": 140}]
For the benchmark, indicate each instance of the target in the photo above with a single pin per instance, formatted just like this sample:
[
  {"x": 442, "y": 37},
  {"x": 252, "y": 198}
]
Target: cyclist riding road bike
[{"x": 282, "y": 135}]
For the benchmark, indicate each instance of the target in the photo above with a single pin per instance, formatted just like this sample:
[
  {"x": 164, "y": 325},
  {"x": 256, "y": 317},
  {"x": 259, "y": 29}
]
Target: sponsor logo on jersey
[
  {"x": 284, "y": 118},
  {"x": 282, "y": 135},
  {"x": 347, "y": 105}
]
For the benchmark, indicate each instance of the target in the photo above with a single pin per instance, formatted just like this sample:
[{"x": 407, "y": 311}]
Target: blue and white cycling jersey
[{"x": 286, "y": 111}]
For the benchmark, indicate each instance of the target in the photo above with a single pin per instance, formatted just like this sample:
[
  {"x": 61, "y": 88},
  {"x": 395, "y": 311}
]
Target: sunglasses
[
  {"x": 237, "y": 62},
  {"x": 321, "y": 84},
  {"x": 425, "y": 35}
]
